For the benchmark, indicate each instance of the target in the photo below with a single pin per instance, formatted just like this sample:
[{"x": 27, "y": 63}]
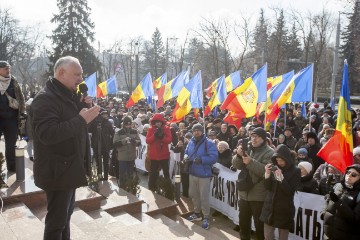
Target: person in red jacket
[{"x": 158, "y": 138}]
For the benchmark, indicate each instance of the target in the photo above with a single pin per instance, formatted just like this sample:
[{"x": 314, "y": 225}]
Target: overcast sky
[{"x": 122, "y": 19}]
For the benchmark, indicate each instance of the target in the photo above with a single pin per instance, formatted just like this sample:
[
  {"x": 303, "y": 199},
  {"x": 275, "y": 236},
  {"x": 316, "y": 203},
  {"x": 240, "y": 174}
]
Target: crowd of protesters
[{"x": 281, "y": 160}]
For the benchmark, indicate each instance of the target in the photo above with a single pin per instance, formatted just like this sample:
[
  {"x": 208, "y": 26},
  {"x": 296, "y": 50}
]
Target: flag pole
[{"x": 202, "y": 102}]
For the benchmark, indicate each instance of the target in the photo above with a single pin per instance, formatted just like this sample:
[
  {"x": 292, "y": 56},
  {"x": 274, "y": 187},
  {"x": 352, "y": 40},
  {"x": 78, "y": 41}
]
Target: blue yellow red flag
[
  {"x": 143, "y": 90},
  {"x": 338, "y": 150},
  {"x": 160, "y": 81},
  {"x": 218, "y": 96},
  {"x": 90, "y": 82}
]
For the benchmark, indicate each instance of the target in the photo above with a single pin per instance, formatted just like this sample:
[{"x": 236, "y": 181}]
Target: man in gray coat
[{"x": 251, "y": 202}]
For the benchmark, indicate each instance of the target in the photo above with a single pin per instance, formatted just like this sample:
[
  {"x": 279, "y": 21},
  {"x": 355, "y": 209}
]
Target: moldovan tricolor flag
[
  {"x": 244, "y": 99},
  {"x": 190, "y": 96},
  {"x": 299, "y": 89},
  {"x": 338, "y": 150},
  {"x": 172, "y": 88},
  {"x": 218, "y": 96},
  {"x": 143, "y": 90},
  {"x": 231, "y": 82},
  {"x": 160, "y": 81}
]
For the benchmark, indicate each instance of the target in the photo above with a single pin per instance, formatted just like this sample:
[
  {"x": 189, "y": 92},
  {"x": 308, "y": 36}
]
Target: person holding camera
[
  {"x": 282, "y": 179},
  {"x": 201, "y": 153},
  {"x": 251, "y": 201},
  {"x": 102, "y": 134},
  {"x": 158, "y": 139},
  {"x": 342, "y": 212},
  {"x": 125, "y": 142}
]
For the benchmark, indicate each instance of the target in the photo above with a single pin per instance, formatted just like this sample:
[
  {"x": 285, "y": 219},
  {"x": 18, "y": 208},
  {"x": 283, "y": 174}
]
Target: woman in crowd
[
  {"x": 307, "y": 183},
  {"x": 282, "y": 179},
  {"x": 224, "y": 154},
  {"x": 342, "y": 212}
]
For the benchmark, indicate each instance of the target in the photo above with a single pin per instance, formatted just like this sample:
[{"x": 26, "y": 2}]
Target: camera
[
  {"x": 159, "y": 133},
  {"x": 274, "y": 168}
]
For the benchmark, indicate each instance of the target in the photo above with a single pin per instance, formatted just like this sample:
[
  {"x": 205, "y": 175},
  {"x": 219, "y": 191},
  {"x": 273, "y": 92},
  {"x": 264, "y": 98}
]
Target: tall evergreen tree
[
  {"x": 278, "y": 43},
  {"x": 350, "y": 49},
  {"x": 260, "y": 39},
  {"x": 155, "y": 56},
  {"x": 294, "y": 49},
  {"x": 74, "y": 34}
]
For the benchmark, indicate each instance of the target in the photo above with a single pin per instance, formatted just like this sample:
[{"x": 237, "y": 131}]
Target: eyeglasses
[{"x": 352, "y": 173}]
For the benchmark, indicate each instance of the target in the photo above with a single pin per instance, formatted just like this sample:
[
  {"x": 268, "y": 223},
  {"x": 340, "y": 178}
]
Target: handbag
[{"x": 13, "y": 103}]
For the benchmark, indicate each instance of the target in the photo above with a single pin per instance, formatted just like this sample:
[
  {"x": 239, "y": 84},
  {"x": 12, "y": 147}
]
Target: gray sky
[{"x": 122, "y": 19}]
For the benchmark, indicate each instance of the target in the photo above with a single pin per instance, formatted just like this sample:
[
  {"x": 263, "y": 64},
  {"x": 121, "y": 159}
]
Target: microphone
[{"x": 83, "y": 90}]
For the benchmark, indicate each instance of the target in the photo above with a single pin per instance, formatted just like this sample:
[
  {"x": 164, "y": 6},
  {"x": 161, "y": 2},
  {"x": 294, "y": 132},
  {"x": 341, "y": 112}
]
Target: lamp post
[
  {"x": 335, "y": 66},
  {"x": 137, "y": 63}
]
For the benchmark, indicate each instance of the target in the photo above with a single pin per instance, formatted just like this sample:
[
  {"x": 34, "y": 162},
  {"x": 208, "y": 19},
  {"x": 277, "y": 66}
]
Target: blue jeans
[
  {"x": 9, "y": 128},
  {"x": 126, "y": 170},
  {"x": 60, "y": 208}
]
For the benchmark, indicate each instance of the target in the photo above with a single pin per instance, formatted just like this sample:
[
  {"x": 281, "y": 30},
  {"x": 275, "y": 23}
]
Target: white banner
[
  {"x": 224, "y": 198},
  {"x": 141, "y": 155}
]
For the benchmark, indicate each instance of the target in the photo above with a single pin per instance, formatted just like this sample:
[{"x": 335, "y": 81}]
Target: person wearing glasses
[
  {"x": 342, "y": 212},
  {"x": 125, "y": 141}
]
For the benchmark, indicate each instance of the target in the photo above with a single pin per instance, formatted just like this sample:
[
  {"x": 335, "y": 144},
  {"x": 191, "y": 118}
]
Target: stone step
[
  {"x": 21, "y": 222},
  {"x": 101, "y": 215},
  {"x": 117, "y": 199},
  {"x": 126, "y": 219},
  {"x": 79, "y": 216},
  {"x": 95, "y": 230},
  {"x": 147, "y": 229},
  {"x": 178, "y": 227},
  {"x": 157, "y": 204}
]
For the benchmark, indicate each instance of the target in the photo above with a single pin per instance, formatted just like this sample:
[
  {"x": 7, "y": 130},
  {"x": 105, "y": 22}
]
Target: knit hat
[
  {"x": 4, "y": 64},
  {"x": 354, "y": 166},
  {"x": 306, "y": 165},
  {"x": 260, "y": 132},
  {"x": 312, "y": 135},
  {"x": 188, "y": 135},
  {"x": 223, "y": 144},
  {"x": 127, "y": 120},
  {"x": 146, "y": 126},
  {"x": 356, "y": 151},
  {"x": 198, "y": 127},
  {"x": 303, "y": 151}
]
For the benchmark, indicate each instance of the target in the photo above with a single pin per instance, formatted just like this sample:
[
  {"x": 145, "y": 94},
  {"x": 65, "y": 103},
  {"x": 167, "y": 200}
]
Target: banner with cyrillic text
[{"x": 224, "y": 198}]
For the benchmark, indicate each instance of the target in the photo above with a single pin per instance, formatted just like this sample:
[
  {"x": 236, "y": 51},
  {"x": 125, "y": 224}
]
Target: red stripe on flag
[{"x": 337, "y": 152}]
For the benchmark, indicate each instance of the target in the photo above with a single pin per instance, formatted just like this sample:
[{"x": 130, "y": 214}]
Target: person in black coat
[
  {"x": 308, "y": 183},
  {"x": 61, "y": 144},
  {"x": 282, "y": 179},
  {"x": 313, "y": 147},
  {"x": 224, "y": 154},
  {"x": 342, "y": 212}
]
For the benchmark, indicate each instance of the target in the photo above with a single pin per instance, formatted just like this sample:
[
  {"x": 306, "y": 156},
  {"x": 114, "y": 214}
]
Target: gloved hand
[
  {"x": 348, "y": 200},
  {"x": 197, "y": 160},
  {"x": 232, "y": 168},
  {"x": 159, "y": 133},
  {"x": 333, "y": 197}
]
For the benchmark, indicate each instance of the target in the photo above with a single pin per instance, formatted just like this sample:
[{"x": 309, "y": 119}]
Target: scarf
[{"x": 4, "y": 84}]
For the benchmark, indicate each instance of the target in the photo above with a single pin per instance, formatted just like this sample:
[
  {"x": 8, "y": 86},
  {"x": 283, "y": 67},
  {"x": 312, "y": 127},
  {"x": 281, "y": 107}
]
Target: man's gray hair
[{"x": 64, "y": 61}]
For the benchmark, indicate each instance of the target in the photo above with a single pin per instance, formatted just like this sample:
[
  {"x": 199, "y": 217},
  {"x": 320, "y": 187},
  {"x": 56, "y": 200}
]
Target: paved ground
[{"x": 221, "y": 222}]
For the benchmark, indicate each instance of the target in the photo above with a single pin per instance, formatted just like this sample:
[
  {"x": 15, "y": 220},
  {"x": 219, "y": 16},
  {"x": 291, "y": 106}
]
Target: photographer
[
  {"x": 342, "y": 212},
  {"x": 102, "y": 130},
  {"x": 327, "y": 182},
  {"x": 158, "y": 138},
  {"x": 251, "y": 202},
  {"x": 125, "y": 142}
]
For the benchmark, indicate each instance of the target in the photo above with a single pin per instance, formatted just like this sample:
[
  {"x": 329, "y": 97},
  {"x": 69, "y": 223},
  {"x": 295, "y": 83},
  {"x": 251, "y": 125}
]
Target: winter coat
[
  {"x": 61, "y": 143},
  {"x": 126, "y": 151},
  {"x": 260, "y": 157},
  {"x": 308, "y": 184},
  {"x": 107, "y": 134},
  {"x": 158, "y": 147},
  {"x": 342, "y": 218},
  {"x": 14, "y": 90},
  {"x": 312, "y": 153},
  {"x": 225, "y": 158},
  {"x": 205, "y": 149},
  {"x": 279, "y": 209},
  {"x": 290, "y": 142}
]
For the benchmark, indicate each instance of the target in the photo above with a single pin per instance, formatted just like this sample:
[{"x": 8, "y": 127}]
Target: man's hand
[
  {"x": 246, "y": 159},
  {"x": 88, "y": 100},
  {"x": 89, "y": 114}
]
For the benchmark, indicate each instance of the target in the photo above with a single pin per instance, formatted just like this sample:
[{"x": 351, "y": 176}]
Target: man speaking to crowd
[{"x": 61, "y": 145}]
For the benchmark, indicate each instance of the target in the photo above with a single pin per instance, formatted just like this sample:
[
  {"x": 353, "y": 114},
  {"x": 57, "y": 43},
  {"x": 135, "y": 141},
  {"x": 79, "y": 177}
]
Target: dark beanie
[
  {"x": 198, "y": 127},
  {"x": 4, "y": 64},
  {"x": 127, "y": 120},
  {"x": 260, "y": 132}
]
